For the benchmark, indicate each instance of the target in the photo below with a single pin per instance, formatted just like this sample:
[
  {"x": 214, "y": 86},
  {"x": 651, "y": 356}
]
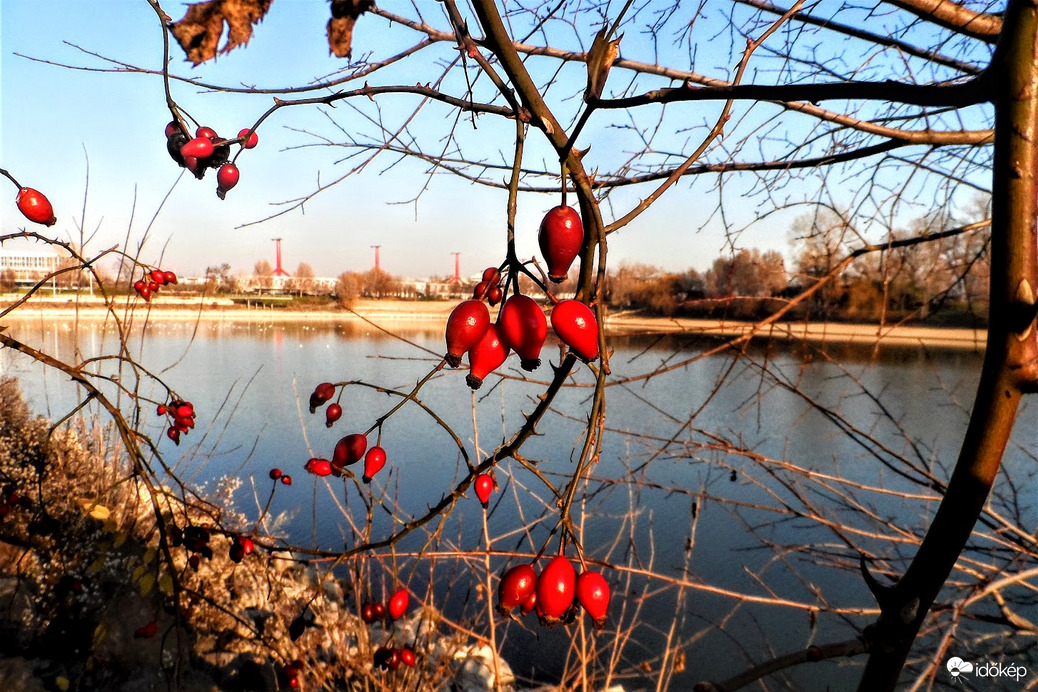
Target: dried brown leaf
[
  {"x": 600, "y": 59},
  {"x": 199, "y": 31},
  {"x": 340, "y": 26}
]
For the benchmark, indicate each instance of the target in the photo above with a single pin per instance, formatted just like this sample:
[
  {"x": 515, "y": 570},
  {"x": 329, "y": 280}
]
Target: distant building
[{"x": 26, "y": 267}]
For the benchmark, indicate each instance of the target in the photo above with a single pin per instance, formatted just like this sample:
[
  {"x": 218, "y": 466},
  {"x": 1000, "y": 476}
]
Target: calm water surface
[{"x": 663, "y": 453}]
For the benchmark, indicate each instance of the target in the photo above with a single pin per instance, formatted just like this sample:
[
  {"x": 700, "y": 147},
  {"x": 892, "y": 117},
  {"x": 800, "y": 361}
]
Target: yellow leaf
[
  {"x": 99, "y": 512},
  {"x": 149, "y": 555},
  {"x": 120, "y": 538},
  {"x": 100, "y": 633},
  {"x": 110, "y": 526},
  {"x": 147, "y": 582},
  {"x": 166, "y": 584},
  {"x": 61, "y": 682},
  {"x": 138, "y": 573},
  {"x": 97, "y": 565}
]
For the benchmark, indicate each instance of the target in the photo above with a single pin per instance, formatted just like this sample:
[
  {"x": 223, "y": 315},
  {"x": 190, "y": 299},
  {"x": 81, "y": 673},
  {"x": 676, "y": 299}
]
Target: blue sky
[{"x": 53, "y": 121}]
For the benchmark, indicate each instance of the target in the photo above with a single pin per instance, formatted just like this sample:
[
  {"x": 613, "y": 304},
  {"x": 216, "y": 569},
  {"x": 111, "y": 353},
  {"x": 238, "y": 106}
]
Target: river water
[{"x": 694, "y": 485}]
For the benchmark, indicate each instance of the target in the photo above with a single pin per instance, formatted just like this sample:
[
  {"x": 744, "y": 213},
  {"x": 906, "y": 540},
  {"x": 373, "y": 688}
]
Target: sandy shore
[{"x": 390, "y": 313}]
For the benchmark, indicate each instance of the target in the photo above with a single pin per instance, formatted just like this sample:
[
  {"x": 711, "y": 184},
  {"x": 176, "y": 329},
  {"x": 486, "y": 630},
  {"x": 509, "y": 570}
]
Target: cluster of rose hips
[
  {"x": 208, "y": 150},
  {"x": 276, "y": 475},
  {"x": 555, "y": 594},
  {"x": 149, "y": 284},
  {"x": 195, "y": 540},
  {"x": 389, "y": 657},
  {"x": 321, "y": 395},
  {"x": 521, "y": 325},
  {"x": 349, "y": 449},
  {"x": 35, "y": 206},
  {"x": 182, "y": 418},
  {"x": 10, "y": 499}
]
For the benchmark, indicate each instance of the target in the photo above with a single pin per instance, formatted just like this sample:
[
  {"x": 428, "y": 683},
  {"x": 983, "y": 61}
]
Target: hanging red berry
[
  {"x": 207, "y": 132},
  {"x": 555, "y": 591},
  {"x": 592, "y": 591},
  {"x": 515, "y": 587},
  {"x": 171, "y": 128},
  {"x": 226, "y": 178},
  {"x": 523, "y": 328},
  {"x": 169, "y": 277},
  {"x": 197, "y": 148},
  {"x": 332, "y": 414},
  {"x": 407, "y": 657},
  {"x": 275, "y": 473},
  {"x": 248, "y": 140},
  {"x": 349, "y": 450},
  {"x": 561, "y": 236},
  {"x": 491, "y": 275},
  {"x": 319, "y": 467},
  {"x": 386, "y": 658},
  {"x": 466, "y": 325},
  {"x": 398, "y": 603},
  {"x": 485, "y": 357},
  {"x": 35, "y": 206},
  {"x": 367, "y": 613},
  {"x": 576, "y": 325},
  {"x": 321, "y": 395},
  {"x": 374, "y": 460},
  {"x": 484, "y": 486}
]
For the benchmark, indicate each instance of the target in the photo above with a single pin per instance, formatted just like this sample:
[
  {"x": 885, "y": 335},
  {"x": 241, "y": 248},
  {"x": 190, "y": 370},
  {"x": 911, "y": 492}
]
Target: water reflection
[{"x": 706, "y": 433}]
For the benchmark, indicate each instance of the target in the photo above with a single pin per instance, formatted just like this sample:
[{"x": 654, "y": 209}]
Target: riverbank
[{"x": 392, "y": 314}]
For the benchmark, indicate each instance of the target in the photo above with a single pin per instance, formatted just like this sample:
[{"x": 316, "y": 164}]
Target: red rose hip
[
  {"x": 515, "y": 587},
  {"x": 484, "y": 486},
  {"x": 35, "y": 206},
  {"x": 592, "y": 592},
  {"x": 252, "y": 141},
  {"x": 332, "y": 414},
  {"x": 576, "y": 325},
  {"x": 374, "y": 461},
  {"x": 523, "y": 327},
  {"x": 555, "y": 589},
  {"x": 319, "y": 467},
  {"x": 398, "y": 603},
  {"x": 485, "y": 357},
  {"x": 349, "y": 450},
  {"x": 466, "y": 325},
  {"x": 560, "y": 237},
  {"x": 197, "y": 148},
  {"x": 321, "y": 395},
  {"x": 226, "y": 178}
]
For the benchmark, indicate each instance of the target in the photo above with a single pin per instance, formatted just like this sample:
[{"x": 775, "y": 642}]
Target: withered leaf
[
  {"x": 600, "y": 59},
  {"x": 198, "y": 33},
  {"x": 340, "y": 26}
]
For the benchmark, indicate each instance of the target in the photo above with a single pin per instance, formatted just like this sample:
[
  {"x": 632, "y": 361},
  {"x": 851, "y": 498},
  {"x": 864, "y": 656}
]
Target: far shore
[{"x": 433, "y": 314}]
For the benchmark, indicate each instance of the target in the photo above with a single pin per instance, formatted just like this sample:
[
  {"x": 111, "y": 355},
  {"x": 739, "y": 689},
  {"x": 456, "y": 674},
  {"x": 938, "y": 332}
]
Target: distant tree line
[{"x": 944, "y": 280}]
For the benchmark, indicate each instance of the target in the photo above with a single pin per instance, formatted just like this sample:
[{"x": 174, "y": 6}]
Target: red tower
[
  {"x": 456, "y": 279},
  {"x": 278, "y": 269}
]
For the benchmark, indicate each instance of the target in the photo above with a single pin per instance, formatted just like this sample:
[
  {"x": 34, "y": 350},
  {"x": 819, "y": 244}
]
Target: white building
[{"x": 26, "y": 267}]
